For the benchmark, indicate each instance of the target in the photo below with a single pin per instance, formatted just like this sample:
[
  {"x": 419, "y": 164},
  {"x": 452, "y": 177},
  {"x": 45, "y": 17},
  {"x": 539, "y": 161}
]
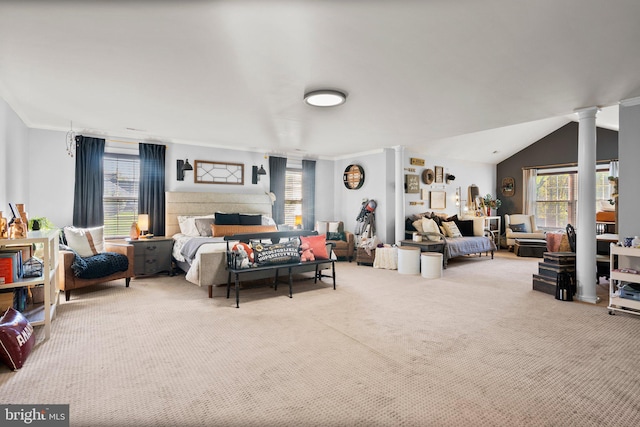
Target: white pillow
[
  {"x": 333, "y": 227},
  {"x": 187, "y": 224},
  {"x": 267, "y": 220},
  {"x": 451, "y": 229},
  {"x": 429, "y": 226},
  {"x": 417, "y": 224},
  {"x": 85, "y": 241}
]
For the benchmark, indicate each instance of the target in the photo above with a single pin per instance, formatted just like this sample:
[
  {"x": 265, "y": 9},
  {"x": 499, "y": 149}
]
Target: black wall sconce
[
  {"x": 255, "y": 174},
  {"x": 181, "y": 167}
]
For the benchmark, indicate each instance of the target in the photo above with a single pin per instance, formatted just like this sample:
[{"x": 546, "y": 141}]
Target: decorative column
[
  {"x": 399, "y": 199},
  {"x": 586, "y": 230}
]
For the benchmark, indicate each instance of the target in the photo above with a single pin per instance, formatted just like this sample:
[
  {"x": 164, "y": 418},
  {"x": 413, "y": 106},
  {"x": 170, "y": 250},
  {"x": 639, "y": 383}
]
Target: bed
[{"x": 208, "y": 266}]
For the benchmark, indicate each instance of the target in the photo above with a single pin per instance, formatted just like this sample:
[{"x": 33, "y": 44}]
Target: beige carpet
[{"x": 477, "y": 347}]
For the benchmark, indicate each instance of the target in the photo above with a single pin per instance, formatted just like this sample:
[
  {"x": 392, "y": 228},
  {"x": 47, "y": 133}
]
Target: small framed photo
[
  {"x": 439, "y": 175},
  {"x": 438, "y": 200}
]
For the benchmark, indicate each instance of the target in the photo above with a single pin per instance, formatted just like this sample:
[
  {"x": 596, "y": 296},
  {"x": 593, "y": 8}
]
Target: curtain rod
[
  {"x": 123, "y": 141},
  {"x": 564, "y": 165}
]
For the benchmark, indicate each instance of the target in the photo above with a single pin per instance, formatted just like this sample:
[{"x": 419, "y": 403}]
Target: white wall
[
  {"x": 51, "y": 177},
  {"x": 629, "y": 174},
  {"x": 481, "y": 174},
  {"x": 14, "y": 174}
]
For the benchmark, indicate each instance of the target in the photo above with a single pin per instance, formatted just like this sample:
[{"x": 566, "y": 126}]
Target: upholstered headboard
[{"x": 196, "y": 203}]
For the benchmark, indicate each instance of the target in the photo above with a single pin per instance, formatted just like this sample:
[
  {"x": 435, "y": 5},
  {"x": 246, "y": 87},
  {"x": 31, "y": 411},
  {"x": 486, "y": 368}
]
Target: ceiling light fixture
[
  {"x": 325, "y": 98},
  {"x": 71, "y": 141}
]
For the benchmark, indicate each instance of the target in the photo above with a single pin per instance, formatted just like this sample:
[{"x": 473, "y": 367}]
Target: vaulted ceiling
[{"x": 468, "y": 79}]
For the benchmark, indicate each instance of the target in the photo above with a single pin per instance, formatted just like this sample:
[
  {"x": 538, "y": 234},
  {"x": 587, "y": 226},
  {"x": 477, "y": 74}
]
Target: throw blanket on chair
[{"x": 101, "y": 265}]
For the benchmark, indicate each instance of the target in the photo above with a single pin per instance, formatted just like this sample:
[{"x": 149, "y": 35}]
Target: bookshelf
[{"x": 39, "y": 314}]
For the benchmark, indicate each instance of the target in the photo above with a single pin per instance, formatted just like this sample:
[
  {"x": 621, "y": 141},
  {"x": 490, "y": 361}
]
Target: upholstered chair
[
  {"x": 344, "y": 242},
  {"x": 520, "y": 226}
]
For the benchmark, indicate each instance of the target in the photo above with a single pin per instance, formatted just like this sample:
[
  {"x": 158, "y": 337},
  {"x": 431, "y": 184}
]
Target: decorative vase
[{"x": 134, "y": 233}]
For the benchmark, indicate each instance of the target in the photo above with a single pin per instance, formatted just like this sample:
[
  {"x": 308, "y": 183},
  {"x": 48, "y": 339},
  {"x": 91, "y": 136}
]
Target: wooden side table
[{"x": 152, "y": 255}]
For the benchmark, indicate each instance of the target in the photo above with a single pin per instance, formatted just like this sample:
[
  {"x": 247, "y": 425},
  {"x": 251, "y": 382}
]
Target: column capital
[
  {"x": 588, "y": 112},
  {"x": 399, "y": 148}
]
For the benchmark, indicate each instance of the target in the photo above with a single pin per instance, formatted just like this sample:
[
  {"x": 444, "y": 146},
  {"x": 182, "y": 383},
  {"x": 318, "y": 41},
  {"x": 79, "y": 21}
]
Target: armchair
[
  {"x": 526, "y": 222},
  {"x": 67, "y": 280},
  {"x": 342, "y": 248}
]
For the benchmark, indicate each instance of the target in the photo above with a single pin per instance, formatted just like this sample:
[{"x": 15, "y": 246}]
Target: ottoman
[{"x": 530, "y": 247}]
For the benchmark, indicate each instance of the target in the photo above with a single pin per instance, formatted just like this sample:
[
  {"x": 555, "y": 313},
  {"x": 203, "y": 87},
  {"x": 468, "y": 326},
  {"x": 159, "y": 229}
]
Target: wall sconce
[
  {"x": 181, "y": 167},
  {"x": 450, "y": 178},
  {"x": 255, "y": 174},
  {"x": 143, "y": 224}
]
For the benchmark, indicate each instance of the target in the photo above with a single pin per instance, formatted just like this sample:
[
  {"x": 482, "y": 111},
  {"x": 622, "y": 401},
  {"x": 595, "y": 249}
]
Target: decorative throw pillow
[
  {"x": 277, "y": 253},
  {"x": 203, "y": 225},
  {"x": 465, "y": 226},
  {"x": 16, "y": 338},
  {"x": 227, "y": 218},
  {"x": 230, "y": 230},
  {"x": 318, "y": 245},
  {"x": 518, "y": 228},
  {"x": 430, "y": 226},
  {"x": 336, "y": 236},
  {"x": 247, "y": 219},
  {"x": 85, "y": 241},
  {"x": 417, "y": 224},
  {"x": 452, "y": 229}
]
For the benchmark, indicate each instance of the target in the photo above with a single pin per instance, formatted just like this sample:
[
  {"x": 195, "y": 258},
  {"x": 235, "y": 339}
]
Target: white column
[
  {"x": 586, "y": 230},
  {"x": 399, "y": 199}
]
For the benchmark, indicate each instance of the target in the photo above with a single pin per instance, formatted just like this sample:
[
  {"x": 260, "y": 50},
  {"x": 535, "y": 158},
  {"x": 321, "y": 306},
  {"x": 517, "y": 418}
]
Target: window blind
[{"x": 121, "y": 182}]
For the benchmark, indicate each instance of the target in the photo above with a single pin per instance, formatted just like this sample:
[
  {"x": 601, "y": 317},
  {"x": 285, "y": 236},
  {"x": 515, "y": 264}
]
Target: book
[
  {"x": 19, "y": 269},
  {"x": 8, "y": 271}
]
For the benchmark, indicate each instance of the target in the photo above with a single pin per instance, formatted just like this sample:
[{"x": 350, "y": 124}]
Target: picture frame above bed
[{"x": 206, "y": 172}]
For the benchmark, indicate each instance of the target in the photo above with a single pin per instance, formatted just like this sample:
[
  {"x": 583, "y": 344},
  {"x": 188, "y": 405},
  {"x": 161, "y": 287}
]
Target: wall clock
[
  {"x": 427, "y": 176},
  {"x": 353, "y": 177}
]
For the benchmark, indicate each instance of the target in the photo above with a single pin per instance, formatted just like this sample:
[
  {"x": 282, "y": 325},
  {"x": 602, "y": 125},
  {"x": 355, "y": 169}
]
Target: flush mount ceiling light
[{"x": 325, "y": 98}]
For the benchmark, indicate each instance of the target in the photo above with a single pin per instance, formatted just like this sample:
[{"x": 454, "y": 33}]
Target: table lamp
[
  {"x": 143, "y": 224},
  {"x": 298, "y": 221}
]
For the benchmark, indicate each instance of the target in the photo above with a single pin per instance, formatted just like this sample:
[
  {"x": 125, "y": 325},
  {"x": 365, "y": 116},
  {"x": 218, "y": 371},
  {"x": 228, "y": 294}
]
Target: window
[
  {"x": 121, "y": 178},
  {"x": 557, "y": 196},
  {"x": 292, "y": 196}
]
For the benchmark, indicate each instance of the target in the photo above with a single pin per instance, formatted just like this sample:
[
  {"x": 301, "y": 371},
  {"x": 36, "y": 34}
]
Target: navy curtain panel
[
  {"x": 88, "y": 209},
  {"x": 151, "y": 190},
  {"x": 277, "y": 177},
  {"x": 308, "y": 194}
]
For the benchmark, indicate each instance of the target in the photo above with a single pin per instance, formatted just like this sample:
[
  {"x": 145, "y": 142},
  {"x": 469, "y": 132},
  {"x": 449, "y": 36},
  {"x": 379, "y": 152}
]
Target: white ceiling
[{"x": 468, "y": 79}]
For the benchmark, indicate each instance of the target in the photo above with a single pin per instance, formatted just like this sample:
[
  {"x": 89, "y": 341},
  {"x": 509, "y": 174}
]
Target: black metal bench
[{"x": 274, "y": 270}]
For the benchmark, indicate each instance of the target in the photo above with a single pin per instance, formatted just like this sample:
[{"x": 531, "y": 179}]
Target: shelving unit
[
  {"x": 40, "y": 314},
  {"x": 494, "y": 223},
  {"x": 623, "y": 258}
]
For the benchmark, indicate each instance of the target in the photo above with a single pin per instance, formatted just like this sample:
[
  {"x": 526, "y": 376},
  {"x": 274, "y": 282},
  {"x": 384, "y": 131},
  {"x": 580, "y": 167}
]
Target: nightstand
[{"x": 152, "y": 255}]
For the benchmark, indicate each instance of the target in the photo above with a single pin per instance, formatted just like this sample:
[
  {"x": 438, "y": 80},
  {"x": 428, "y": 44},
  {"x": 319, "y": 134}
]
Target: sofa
[
  {"x": 344, "y": 242},
  {"x": 520, "y": 226}
]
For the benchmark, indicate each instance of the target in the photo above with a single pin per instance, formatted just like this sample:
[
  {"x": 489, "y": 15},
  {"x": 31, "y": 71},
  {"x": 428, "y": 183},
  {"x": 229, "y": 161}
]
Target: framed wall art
[
  {"x": 439, "y": 175},
  {"x": 412, "y": 183},
  {"x": 438, "y": 200},
  {"x": 206, "y": 172}
]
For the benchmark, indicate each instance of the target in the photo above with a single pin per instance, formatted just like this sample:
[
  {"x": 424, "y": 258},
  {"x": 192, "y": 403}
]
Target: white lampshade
[{"x": 143, "y": 222}]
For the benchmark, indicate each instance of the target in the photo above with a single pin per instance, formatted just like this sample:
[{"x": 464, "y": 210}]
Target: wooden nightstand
[{"x": 152, "y": 255}]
